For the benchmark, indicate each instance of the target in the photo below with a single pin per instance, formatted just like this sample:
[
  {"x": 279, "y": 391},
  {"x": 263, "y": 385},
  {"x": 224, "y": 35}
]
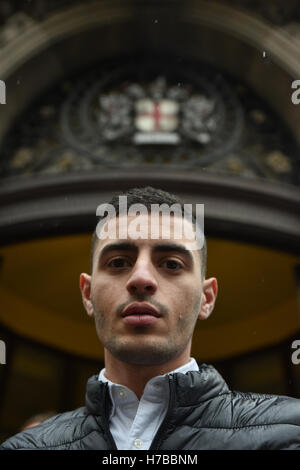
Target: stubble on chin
[
  {"x": 142, "y": 349},
  {"x": 146, "y": 352}
]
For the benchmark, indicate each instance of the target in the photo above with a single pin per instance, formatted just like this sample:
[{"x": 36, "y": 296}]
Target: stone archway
[{"x": 38, "y": 53}]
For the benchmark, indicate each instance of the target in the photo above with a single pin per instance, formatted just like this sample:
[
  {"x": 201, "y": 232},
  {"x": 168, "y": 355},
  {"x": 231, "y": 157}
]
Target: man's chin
[{"x": 143, "y": 354}]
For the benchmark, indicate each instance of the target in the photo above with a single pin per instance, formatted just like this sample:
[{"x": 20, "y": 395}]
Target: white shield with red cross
[
  {"x": 158, "y": 116},
  {"x": 156, "y": 122}
]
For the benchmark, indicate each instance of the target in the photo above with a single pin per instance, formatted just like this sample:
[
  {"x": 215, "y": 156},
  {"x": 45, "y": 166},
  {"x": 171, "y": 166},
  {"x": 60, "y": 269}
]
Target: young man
[{"x": 146, "y": 295}]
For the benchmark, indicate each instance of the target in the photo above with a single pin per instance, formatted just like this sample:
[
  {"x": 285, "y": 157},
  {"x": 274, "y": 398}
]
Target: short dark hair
[{"x": 147, "y": 196}]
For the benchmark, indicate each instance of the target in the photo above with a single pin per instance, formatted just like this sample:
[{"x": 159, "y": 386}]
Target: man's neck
[{"x": 135, "y": 377}]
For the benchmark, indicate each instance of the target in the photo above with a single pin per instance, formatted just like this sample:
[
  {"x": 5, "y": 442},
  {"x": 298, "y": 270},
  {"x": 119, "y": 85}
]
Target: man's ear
[
  {"x": 85, "y": 287},
  {"x": 209, "y": 295}
]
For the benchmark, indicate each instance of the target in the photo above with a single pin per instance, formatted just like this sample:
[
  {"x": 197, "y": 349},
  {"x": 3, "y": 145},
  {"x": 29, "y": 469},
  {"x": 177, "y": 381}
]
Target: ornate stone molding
[
  {"x": 160, "y": 115},
  {"x": 45, "y": 42},
  {"x": 234, "y": 209},
  {"x": 277, "y": 12}
]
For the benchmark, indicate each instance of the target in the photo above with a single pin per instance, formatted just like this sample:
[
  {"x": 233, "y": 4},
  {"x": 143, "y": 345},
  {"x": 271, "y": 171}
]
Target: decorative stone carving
[
  {"x": 15, "y": 25},
  {"x": 155, "y": 115},
  {"x": 278, "y": 12}
]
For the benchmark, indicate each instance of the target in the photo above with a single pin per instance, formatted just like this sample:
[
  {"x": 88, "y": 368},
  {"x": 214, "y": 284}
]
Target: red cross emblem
[{"x": 156, "y": 116}]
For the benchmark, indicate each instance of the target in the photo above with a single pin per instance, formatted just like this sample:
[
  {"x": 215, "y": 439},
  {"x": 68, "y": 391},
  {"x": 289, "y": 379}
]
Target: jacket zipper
[{"x": 158, "y": 437}]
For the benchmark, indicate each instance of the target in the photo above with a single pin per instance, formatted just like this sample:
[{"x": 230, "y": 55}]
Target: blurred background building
[{"x": 194, "y": 97}]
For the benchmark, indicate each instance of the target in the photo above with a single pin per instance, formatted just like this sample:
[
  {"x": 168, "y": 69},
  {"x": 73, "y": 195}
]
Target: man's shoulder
[
  {"x": 209, "y": 388},
  {"x": 56, "y": 432},
  {"x": 221, "y": 418},
  {"x": 261, "y": 409}
]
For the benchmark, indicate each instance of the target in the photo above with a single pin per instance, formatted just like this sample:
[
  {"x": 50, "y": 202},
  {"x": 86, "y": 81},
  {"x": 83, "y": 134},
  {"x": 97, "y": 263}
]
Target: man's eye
[
  {"x": 119, "y": 263},
  {"x": 172, "y": 265}
]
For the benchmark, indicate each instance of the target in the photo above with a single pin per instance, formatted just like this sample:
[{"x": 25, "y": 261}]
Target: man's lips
[
  {"x": 138, "y": 308},
  {"x": 140, "y": 314}
]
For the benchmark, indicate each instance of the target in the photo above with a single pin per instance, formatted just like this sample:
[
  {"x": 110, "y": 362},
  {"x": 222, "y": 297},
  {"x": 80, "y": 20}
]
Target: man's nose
[{"x": 142, "y": 280}]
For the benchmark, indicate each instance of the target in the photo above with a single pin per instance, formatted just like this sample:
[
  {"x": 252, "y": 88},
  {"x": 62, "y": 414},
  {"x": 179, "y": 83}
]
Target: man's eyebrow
[
  {"x": 122, "y": 246},
  {"x": 161, "y": 248}
]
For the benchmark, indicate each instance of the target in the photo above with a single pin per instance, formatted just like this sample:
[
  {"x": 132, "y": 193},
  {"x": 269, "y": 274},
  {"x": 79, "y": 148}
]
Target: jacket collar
[
  {"x": 193, "y": 388},
  {"x": 190, "y": 389}
]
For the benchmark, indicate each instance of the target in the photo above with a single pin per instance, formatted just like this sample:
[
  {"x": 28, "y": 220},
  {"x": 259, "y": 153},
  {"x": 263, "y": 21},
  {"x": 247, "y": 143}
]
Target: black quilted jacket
[{"x": 203, "y": 414}]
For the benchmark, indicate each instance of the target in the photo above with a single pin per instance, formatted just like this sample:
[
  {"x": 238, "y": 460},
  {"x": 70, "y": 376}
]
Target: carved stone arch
[
  {"x": 81, "y": 35},
  {"x": 43, "y": 52}
]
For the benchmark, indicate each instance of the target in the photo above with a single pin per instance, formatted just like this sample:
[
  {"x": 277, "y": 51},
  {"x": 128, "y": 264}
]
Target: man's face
[{"x": 146, "y": 295}]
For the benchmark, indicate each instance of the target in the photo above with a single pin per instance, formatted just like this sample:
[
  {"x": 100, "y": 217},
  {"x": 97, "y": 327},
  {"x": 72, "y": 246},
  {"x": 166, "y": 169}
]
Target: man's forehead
[
  {"x": 181, "y": 246},
  {"x": 146, "y": 230}
]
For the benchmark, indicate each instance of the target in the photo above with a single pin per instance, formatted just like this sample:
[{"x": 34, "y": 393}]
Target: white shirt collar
[
  {"x": 152, "y": 391},
  {"x": 189, "y": 366}
]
